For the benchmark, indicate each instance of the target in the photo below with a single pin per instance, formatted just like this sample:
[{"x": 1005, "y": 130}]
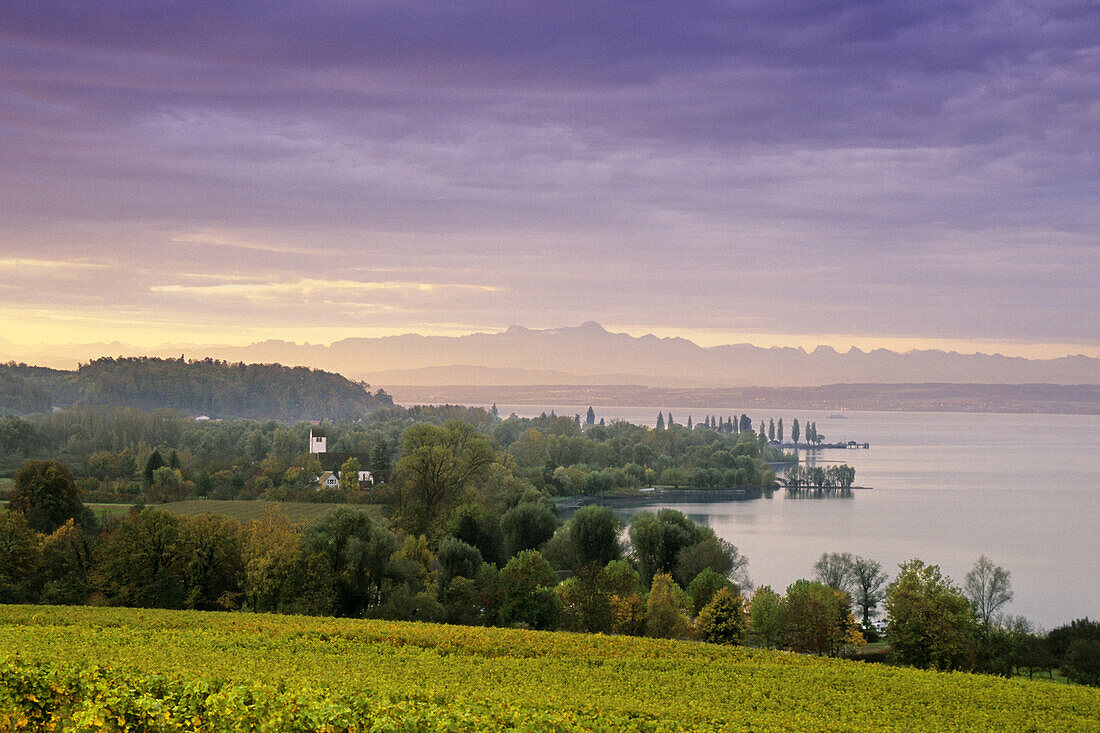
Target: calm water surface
[{"x": 948, "y": 487}]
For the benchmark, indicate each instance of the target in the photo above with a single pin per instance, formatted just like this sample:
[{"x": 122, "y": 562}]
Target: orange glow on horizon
[{"x": 39, "y": 327}]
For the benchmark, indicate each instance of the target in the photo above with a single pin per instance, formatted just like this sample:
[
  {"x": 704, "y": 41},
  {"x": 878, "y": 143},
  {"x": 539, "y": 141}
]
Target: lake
[{"x": 948, "y": 487}]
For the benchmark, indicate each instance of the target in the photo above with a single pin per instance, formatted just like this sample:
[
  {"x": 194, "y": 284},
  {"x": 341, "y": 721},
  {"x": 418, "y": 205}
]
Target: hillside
[
  {"x": 213, "y": 388},
  {"x": 228, "y": 672}
]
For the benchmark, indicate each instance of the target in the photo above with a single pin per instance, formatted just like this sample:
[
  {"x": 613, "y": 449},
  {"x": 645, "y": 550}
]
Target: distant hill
[
  {"x": 213, "y": 388},
  {"x": 589, "y": 354},
  {"x": 943, "y": 397}
]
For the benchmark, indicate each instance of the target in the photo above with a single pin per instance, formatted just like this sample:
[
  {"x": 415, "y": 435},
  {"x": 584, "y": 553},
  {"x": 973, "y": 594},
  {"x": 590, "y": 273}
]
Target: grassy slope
[
  {"x": 245, "y": 511},
  {"x": 242, "y": 511},
  {"x": 586, "y": 678}
]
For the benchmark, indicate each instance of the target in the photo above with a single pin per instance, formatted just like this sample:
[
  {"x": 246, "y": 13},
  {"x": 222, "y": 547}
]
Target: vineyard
[{"x": 77, "y": 669}]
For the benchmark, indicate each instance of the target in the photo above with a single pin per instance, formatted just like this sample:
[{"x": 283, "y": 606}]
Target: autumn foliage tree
[
  {"x": 815, "y": 619},
  {"x": 929, "y": 621},
  {"x": 722, "y": 621},
  {"x": 667, "y": 609},
  {"x": 46, "y": 494}
]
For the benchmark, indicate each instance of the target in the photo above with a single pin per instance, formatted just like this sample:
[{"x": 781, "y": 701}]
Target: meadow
[
  {"x": 245, "y": 511},
  {"x": 118, "y": 669}
]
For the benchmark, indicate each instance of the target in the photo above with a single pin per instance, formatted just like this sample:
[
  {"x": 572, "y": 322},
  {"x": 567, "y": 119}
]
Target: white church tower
[{"x": 317, "y": 444}]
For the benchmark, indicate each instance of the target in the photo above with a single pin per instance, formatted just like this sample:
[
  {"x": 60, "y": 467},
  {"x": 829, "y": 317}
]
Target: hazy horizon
[{"x": 806, "y": 342}]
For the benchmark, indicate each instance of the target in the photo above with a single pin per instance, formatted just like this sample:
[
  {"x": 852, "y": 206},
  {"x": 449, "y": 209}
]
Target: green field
[
  {"x": 245, "y": 511},
  {"x": 177, "y": 670},
  {"x": 242, "y": 511},
  {"x": 106, "y": 511}
]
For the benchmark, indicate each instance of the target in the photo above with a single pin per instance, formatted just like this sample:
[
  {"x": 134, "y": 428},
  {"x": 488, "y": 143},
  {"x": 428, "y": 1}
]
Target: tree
[
  {"x": 590, "y": 417},
  {"x": 722, "y": 621},
  {"x": 1062, "y": 637},
  {"x": 462, "y": 604},
  {"x": 19, "y": 555},
  {"x": 141, "y": 562},
  {"x": 457, "y": 559},
  {"x": 868, "y": 584},
  {"x": 689, "y": 423},
  {"x": 270, "y": 556},
  {"x": 795, "y": 431},
  {"x": 527, "y": 526},
  {"x": 815, "y": 619},
  {"x": 1082, "y": 662},
  {"x": 381, "y": 461},
  {"x": 166, "y": 484},
  {"x": 765, "y": 617},
  {"x": 667, "y": 609},
  {"x": 349, "y": 475},
  {"x": 356, "y": 552},
  {"x": 705, "y": 585},
  {"x": 779, "y": 430},
  {"x": 154, "y": 462},
  {"x": 437, "y": 463},
  {"x": 988, "y": 588},
  {"x": 527, "y": 585},
  {"x": 18, "y": 437},
  {"x": 66, "y": 566},
  {"x": 710, "y": 553},
  {"x": 669, "y": 542},
  {"x": 660, "y": 421},
  {"x": 211, "y": 549},
  {"x": 587, "y": 600},
  {"x": 929, "y": 623},
  {"x": 771, "y": 429},
  {"x": 285, "y": 445},
  {"x": 478, "y": 527},
  {"x": 834, "y": 569},
  {"x": 594, "y": 532},
  {"x": 46, "y": 494}
]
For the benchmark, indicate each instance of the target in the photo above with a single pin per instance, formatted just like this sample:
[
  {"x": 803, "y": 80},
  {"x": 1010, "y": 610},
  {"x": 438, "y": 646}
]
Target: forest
[
  {"x": 115, "y": 452},
  {"x": 217, "y": 389}
]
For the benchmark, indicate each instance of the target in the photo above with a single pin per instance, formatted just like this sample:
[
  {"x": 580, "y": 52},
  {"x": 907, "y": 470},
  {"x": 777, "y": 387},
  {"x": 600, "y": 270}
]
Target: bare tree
[
  {"x": 835, "y": 569},
  {"x": 987, "y": 587}
]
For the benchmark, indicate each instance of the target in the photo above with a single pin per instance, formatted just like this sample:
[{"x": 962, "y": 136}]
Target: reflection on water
[{"x": 948, "y": 487}]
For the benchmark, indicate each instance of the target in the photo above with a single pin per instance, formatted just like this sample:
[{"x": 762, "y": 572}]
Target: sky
[{"x": 902, "y": 173}]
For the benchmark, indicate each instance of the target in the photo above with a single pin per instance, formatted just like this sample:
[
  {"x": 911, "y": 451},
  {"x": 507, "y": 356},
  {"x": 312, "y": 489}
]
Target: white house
[{"x": 329, "y": 480}]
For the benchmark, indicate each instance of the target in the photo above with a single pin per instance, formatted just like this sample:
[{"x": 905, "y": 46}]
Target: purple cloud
[{"x": 619, "y": 161}]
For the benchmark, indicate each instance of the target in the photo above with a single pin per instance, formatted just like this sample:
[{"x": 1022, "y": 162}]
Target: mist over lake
[{"x": 947, "y": 487}]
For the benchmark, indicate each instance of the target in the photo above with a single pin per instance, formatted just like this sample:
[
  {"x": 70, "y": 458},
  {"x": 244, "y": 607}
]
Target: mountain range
[{"x": 589, "y": 354}]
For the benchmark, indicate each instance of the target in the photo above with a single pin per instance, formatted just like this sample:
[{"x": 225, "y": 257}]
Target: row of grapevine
[{"x": 75, "y": 669}]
